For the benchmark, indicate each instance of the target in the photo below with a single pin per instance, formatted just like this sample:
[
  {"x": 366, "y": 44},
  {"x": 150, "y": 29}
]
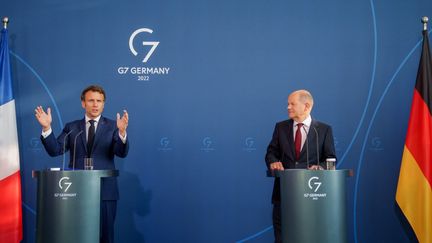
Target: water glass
[{"x": 88, "y": 163}]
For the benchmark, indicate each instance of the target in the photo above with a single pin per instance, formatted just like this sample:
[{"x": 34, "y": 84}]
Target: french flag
[{"x": 10, "y": 179}]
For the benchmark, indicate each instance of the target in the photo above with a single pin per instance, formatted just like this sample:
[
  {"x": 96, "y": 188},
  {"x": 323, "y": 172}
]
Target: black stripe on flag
[{"x": 424, "y": 74}]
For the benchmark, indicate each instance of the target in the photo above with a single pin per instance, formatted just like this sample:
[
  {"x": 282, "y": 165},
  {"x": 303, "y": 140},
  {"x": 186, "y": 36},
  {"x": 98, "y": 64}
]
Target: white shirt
[
  {"x": 87, "y": 122},
  {"x": 304, "y": 130}
]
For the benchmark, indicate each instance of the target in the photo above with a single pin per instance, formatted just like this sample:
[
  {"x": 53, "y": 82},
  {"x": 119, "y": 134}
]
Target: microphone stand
[
  {"x": 317, "y": 143},
  {"x": 307, "y": 147},
  {"x": 74, "y": 154},
  {"x": 64, "y": 147}
]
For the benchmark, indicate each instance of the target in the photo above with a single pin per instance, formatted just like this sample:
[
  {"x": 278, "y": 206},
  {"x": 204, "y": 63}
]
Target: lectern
[
  {"x": 68, "y": 205},
  {"x": 313, "y": 205}
]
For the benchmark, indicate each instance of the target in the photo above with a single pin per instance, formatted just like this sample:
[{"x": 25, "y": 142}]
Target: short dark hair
[{"x": 94, "y": 88}]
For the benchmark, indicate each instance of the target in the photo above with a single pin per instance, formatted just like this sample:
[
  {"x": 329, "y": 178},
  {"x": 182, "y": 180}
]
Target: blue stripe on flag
[{"x": 5, "y": 75}]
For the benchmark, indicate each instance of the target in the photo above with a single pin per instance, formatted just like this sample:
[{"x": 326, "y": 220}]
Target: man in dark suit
[
  {"x": 294, "y": 146},
  {"x": 96, "y": 137}
]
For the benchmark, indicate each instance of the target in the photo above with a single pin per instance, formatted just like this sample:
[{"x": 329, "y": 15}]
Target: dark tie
[
  {"x": 90, "y": 139},
  {"x": 298, "y": 141}
]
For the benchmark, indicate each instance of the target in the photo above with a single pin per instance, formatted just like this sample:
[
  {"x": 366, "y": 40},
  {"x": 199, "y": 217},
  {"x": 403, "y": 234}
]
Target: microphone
[
  {"x": 74, "y": 154},
  {"x": 64, "y": 147},
  {"x": 316, "y": 132}
]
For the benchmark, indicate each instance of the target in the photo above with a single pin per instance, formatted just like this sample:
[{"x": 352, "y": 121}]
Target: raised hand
[
  {"x": 122, "y": 122},
  {"x": 43, "y": 118}
]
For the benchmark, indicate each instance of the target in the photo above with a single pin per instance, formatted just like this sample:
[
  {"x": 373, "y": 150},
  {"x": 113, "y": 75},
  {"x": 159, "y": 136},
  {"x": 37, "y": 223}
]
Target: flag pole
[
  {"x": 5, "y": 21},
  {"x": 425, "y": 20}
]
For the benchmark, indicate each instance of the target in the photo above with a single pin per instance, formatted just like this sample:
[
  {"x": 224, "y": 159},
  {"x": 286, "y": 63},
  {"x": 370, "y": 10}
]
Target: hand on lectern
[
  {"x": 276, "y": 166},
  {"x": 316, "y": 167}
]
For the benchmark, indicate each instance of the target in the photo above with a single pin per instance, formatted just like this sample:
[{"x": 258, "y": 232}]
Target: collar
[
  {"x": 87, "y": 119},
  {"x": 306, "y": 122}
]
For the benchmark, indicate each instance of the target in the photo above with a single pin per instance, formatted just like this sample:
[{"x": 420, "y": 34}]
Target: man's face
[
  {"x": 93, "y": 104},
  {"x": 297, "y": 110}
]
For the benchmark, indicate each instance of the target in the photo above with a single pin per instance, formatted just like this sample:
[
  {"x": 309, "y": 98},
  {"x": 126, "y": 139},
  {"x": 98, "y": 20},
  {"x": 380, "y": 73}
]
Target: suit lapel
[
  {"x": 312, "y": 134},
  {"x": 311, "y": 143},
  {"x": 99, "y": 131},
  {"x": 290, "y": 139},
  {"x": 311, "y": 140}
]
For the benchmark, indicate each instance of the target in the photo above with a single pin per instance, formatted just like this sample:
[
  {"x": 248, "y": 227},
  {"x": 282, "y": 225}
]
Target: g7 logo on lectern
[
  {"x": 314, "y": 185},
  {"x": 153, "y": 44},
  {"x": 65, "y": 184}
]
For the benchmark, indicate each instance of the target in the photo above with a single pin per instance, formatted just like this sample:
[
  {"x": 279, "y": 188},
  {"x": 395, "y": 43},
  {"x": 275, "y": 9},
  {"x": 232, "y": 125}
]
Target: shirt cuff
[
  {"x": 123, "y": 138},
  {"x": 46, "y": 133}
]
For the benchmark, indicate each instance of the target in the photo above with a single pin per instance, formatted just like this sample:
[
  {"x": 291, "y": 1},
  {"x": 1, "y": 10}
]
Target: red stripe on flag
[
  {"x": 10, "y": 209},
  {"x": 419, "y": 135}
]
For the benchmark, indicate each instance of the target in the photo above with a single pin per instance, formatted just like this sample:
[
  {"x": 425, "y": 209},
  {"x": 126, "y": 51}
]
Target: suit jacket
[
  {"x": 282, "y": 148},
  {"x": 107, "y": 144}
]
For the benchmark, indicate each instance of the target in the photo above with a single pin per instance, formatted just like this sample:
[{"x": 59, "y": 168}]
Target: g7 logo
[
  {"x": 314, "y": 184},
  {"x": 164, "y": 142},
  {"x": 153, "y": 44},
  {"x": 249, "y": 142},
  {"x": 207, "y": 142},
  {"x": 68, "y": 184}
]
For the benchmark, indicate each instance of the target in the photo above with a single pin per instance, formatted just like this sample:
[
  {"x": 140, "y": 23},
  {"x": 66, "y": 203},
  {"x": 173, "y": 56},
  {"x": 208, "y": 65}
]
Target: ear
[
  {"x": 308, "y": 106},
  {"x": 83, "y": 104}
]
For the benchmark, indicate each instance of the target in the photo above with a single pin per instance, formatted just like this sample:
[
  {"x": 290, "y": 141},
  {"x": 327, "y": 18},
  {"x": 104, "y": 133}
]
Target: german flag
[{"x": 414, "y": 194}]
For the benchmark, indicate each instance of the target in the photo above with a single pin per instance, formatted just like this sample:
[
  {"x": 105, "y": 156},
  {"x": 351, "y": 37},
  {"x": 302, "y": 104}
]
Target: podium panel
[
  {"x": 313, "y": 205},
  {"x": 68, "y": 205}
]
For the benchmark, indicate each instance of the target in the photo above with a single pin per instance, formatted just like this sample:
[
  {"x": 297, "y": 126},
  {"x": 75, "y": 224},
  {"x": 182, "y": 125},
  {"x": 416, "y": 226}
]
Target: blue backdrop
[{"x": 204, "y": 102}]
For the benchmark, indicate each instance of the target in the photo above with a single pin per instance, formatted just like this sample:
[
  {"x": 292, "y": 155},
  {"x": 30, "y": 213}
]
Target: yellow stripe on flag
[{"x": 414, "y": 196}]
